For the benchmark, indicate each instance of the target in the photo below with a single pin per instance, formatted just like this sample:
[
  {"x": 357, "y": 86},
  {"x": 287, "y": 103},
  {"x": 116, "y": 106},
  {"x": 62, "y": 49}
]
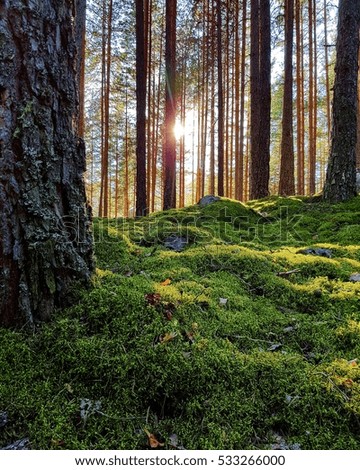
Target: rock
[
  {"x": 206, "y": 200},
  {"x": 3, "y": 418},
  {"x": 288, "y": 329},
  {"x": 281, "y": 444},
  {"x": 316, "y": 252},
  {"x": 22, "y": 444},
  {"x": 176, "y": 243},
  {"x": 358, "y": 180},
  {"x": 355, "y": 277}
]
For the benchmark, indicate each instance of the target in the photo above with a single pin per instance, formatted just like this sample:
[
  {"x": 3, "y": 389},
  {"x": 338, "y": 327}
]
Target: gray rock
[
  {"x": 22, "y": 444},
  {"x": 316, "y": 252},
  {"x": 274, "y": 347},
  {"x": 3, "y": 418},
  {"x": 358, "y": 180},
  {"x": 206, "y": 200},
  {"x": 355, "y": 277},
  {"x": 176, "y": 243},
  {"x": 281, "y": 444}
]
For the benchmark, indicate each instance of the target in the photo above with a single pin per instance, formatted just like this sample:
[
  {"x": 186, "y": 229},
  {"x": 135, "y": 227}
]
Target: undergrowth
[{"x": 229, "y": 344}]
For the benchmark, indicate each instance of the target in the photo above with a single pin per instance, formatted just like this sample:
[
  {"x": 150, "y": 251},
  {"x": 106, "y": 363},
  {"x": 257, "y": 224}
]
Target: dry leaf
[
  {"x": 168, "y": 314},
  {"x": 166, "y": 282},
  {"x": 353, "y": 363},
  {"x": 58, "y": 443},
  {"x": 190, "y": 337},
  {"x": 168, "y": 337},
  {"x": 153, "y": 299},
  {"x": 348, "y": 383},
  {"x": 153, "y": 442}
]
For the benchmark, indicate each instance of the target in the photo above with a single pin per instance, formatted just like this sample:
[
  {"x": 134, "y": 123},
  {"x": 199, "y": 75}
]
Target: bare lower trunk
[{"x": 340, "y": 182}]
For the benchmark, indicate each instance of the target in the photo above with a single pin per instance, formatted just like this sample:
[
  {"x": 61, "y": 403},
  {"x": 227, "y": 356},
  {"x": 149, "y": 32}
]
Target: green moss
[{"x": 246, "y": 339}]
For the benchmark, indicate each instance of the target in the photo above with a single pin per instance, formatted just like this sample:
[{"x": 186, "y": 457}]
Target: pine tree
[
  {"x": 45, "y": 244},
  {"x": 141, "y": 74},
  {"x": 260, "y": 83},
  {"x": 340, "y": 183},
  {"x": 287, "y": 180},
  {"x": 169, "y": 157}
]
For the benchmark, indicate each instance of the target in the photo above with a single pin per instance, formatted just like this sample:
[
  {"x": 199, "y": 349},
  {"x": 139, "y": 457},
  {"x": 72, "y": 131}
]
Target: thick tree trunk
[
  {"x": 45, "y": 243},
  {"x": 340, "y": 183}
]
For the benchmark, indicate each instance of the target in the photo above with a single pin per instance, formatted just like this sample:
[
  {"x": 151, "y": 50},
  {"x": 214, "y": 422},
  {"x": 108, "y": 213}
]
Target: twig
[{"x": 288, "y": 273}]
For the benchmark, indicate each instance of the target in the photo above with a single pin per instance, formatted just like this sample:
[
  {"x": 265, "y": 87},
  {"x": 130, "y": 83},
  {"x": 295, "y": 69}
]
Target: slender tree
[
  {"x": 300, "y": 108},
  {"x": 141, "y": 74},
  {"x": 169, "y": 156},
  {"x": 45, "y": 244},
  {"x": 287, "y": 178},
  {"x": 312, "y": 97},
  {"x": 358, "y": 119},
  {"x": 340, "y": 183},
  {"x": 260, "y": 82},
  {"x": 220, "y": 101}
]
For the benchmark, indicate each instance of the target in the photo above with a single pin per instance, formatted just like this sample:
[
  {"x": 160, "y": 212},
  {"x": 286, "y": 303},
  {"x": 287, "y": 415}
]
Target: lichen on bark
[{"x": 45, "y": 239}]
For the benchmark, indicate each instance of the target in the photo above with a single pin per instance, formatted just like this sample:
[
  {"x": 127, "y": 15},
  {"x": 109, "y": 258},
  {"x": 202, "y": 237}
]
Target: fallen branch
[{"x": 288, "y": 273}]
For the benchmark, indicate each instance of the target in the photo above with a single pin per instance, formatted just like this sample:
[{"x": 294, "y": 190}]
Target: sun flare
[{"x": 179, "y": 130}]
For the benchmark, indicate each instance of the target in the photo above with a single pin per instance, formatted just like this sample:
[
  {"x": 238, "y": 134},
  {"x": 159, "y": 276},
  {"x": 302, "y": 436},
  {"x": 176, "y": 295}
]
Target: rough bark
[
  {"x": 80, "y": 44},
  {"x": 340, "y": 183},
  {"x": 287, "y": 179},
  {"x": 45, "y": 243},
  {"x": 358, "y": 118},
  {"x": 170, "y": 108},
  {"x": 300, "y": 109},
  {"x": 141, "y": 74},
  {"x": 260, "y": 90},
  {"x": 220, "y": 91}
]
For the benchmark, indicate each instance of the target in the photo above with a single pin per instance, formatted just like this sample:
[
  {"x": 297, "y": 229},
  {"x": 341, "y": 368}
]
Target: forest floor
[{"x": 242, "y": 340}]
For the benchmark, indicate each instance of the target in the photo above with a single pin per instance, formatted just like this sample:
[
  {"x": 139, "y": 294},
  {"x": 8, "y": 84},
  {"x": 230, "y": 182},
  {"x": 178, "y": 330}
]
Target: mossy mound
[{"x": 227, "y": 345}]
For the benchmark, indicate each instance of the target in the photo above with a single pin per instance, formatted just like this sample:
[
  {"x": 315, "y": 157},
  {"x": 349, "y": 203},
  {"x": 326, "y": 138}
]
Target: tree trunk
[
  {"x": 241, "y": 185},
  {"x": 312, "y": 98},
  {"x": 300, "y": 109},
  {"x": 238, "y": 164},
  {"x": 287, "y": 181},
  {"x": 340, "y": 183},
  {"x": 45, "y": 244},
  {"x": 260, "y": 82},
  {"x": 107, "y": 186},
  {"x": 327, "y": 76},
  {"x": 80, "y": 44},
  {"x": 170, "y": 108},
  {"x": 358, "y": 118},
  {"x": 220, "y": 102},
  {"x": 141, "y": 73}
]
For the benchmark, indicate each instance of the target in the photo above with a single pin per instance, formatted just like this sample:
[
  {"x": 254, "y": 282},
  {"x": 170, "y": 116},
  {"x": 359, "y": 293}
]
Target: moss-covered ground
[{"x": 230, "y": 344}]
